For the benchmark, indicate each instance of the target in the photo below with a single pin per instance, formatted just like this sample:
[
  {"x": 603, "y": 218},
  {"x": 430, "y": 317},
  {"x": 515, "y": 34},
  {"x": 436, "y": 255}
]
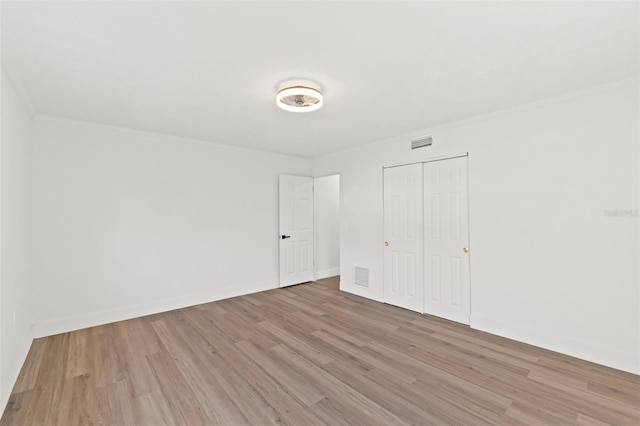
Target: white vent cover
[
  {"x": 421, "y": 141},
  {"x": 362, "y": 277}
]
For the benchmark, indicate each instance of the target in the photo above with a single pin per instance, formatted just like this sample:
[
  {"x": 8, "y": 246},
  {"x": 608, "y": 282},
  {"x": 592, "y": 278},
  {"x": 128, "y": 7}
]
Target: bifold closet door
[
  {"x": 446, "y": 240},
  {"x": 403, "y": 236}
]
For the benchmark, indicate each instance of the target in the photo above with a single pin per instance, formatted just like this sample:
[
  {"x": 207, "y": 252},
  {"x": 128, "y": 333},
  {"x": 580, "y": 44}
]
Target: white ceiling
[{"x": 210, "y": 70}]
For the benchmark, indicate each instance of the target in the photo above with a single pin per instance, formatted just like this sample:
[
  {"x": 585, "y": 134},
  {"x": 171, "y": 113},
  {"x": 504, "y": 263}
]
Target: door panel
[
  {"x": 446, "y": 237},
  {"x": 403, "y": 255},
  {"x": 296, "y": 224}
]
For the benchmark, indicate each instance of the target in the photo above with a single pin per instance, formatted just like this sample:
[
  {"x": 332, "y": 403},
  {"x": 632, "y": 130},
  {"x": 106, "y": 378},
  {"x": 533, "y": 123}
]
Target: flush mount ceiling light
[{"x": 299, "y": 99}]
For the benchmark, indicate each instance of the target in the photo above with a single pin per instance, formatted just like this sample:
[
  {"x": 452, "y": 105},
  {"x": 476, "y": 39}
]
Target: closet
[{"x": 426, "y": 238}]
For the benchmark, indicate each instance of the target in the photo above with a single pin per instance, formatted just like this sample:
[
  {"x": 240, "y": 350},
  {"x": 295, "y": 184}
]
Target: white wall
[
  {"x": 15, "y": 299},
  {"x": 547, "y": 266},
  {"x": 327, "y": 223},
  {"x": 127, "y": 223}
]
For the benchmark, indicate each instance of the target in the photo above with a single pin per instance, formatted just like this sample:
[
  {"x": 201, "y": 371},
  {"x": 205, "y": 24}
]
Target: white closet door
[
  {"x": 403, "y": 234},
  {"x": 446, "y": 240}
]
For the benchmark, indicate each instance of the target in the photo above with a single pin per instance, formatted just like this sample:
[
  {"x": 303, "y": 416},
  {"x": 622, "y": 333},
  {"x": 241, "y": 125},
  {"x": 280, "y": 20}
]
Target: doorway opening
[
  {"x": 327, "y": 226},
  {"x": 309, "y": 236}
]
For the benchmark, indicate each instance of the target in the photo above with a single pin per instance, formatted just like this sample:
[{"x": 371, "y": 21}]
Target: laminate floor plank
[
  {"x": 315, "y": 355},
  {"x": 245, "y": 310},
  {"x": 392, "y": 401},
  {"x": 454, "y": 379},
  {"x": 446, "y": 412},
  {"x": 116, "y": 404},
  {"x": 230, "y": 391},
  {"x": 135, "y": 367},
  {"x": 373, "y": 327},
  {"x": 248, "y": 400},
  {"x": 533, "y": 415},
  {"x": 308, "y": 354},
  {"x": 79, "y": 407},
  {"x": 183, "y": 403},
  {"x": 151, "y": 409},
  {"x": 29, "y": 374},
  {"x": 49, "y": 383},
  {"x": 334, "y": 389},
  {"x": 17, "y": 409},
  {"x": 287, "y": 377},
  {"x": 296, "y": 304},
  {"x": 455, "y": 370},
  {"x": 366, "y": 357},
  {"x": 106, "y": 361},
  {"x": 190, "y": 353},
  {"x": 330, "y": 325}
]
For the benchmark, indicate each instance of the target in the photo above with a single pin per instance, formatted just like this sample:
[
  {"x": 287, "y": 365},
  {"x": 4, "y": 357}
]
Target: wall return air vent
[
  {"x": 421, "y": 142},
  {"x": 362, "y": 277}
]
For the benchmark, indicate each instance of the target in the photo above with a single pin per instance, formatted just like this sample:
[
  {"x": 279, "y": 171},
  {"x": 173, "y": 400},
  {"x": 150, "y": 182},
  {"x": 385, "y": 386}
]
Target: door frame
[
  {"x": 315, "y": 223},
  {"x": 314, "y": 220},
  {"x": 428, "y": 160}
]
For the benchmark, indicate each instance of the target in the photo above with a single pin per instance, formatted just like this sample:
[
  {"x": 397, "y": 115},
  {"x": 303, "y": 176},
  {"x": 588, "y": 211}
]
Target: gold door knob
[
  {"x": 386, "y": 243},
  {"x": 465, "y": 250}
]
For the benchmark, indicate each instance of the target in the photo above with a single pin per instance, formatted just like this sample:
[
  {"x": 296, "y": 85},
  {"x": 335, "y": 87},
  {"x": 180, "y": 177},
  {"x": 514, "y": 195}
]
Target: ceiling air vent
[{"x": 420, "y": 142}]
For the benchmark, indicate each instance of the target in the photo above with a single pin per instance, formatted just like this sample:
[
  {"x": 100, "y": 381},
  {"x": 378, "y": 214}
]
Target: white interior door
[
  {"x": 446, "y": 240},
  {"x": 296, "y": 229},
  {"x": 403, "y": 272}
]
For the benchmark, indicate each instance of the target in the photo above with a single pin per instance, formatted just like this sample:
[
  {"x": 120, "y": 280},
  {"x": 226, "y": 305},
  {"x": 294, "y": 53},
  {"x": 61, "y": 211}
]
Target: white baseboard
[
  {"x": 63, "y": 325},
  {"x": 326, "y": 273},
  {"x": 360, "y": 291},
  {"x": 568, "y": 346},
  {"x": 629, "y": 362},
  {"x": 13, "y": 371}
]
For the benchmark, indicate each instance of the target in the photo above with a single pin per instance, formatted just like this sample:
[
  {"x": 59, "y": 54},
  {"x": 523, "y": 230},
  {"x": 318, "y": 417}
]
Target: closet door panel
[
  {"x": 403, "y": 237},
  {"x": 446, "y": 240}
]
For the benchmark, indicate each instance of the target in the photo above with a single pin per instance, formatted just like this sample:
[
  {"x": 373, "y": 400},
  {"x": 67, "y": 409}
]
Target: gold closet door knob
[
  {"x": 386, "y": 243},
  {"x": 465, "y": 250}
]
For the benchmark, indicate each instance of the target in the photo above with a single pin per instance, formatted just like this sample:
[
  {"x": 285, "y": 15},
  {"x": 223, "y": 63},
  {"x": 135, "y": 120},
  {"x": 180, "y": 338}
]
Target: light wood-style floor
[{"x": 307, "y": 355}]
